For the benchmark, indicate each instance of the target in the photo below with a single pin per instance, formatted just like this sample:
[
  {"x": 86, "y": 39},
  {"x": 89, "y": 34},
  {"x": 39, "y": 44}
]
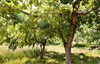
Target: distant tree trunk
[
  {"x": 41, "y": 52},
  {"x": 42, "y": 47}
]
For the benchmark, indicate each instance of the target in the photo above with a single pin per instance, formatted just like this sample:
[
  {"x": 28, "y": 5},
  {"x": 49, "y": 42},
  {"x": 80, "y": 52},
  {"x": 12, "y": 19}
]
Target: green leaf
[{"x": 8, "y": 1}]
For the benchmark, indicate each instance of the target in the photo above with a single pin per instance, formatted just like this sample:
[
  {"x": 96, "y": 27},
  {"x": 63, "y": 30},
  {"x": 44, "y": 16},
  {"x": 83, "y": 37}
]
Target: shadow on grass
[
  {"x": 79, "y": 45},
  {"x": 52, "y": 44},
  {"x": 82, "y": 58},
  {"x": 53, "y": 57}
]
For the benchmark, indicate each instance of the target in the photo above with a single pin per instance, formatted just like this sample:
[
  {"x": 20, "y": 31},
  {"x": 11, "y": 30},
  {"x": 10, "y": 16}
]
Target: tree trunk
[
  {"x": 67, "y": 45},
  {"x": 42, "y": 47},
  {"x": 41, "y": 52},
  {"x": 68, "y": 53}
]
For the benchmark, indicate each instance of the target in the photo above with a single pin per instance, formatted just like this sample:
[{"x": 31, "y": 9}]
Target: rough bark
[
  {"x": 67, "y": 45},
  {"x": 68, "y": 53}
]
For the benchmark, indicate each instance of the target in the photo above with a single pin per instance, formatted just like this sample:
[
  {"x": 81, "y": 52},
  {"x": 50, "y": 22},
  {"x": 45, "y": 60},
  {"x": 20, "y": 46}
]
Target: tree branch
[
  {"x": 39, "y": 41},
  {"x": 83, "y": 13},
  {"x": 74, "y": 12},
  {"x": 76, "y": 3},
  {"x": 64, "y": 18},
  {"x": 45, "y": 41},
  {"x": 46, "y": 38},
  {"x": 29, "y": 14},
  {"x": 26, "y": 13},
  {"x": 34, "y": 27},
  {"x": 61, "y": 36},
  {"x": 69, "y": 20}
]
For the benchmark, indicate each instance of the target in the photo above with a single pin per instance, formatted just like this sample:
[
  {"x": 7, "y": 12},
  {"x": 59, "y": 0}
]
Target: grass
[
  {"x": 79, "y": 45},
  {"x": 52, "y": 54}
]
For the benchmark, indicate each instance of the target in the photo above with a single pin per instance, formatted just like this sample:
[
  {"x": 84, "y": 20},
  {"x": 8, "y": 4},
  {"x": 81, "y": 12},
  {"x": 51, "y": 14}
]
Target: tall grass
[{"x": 10, "y": 54}]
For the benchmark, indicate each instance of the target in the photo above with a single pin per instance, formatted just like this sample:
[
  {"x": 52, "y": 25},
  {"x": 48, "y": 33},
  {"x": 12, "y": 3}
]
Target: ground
[{"x": 52, "y": 54}]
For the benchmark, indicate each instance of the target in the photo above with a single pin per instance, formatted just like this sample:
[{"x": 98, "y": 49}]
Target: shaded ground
[{"x": 56, "y": 57}]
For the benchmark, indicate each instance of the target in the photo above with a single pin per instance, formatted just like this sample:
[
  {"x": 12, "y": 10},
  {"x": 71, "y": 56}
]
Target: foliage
[
  {"x": 85, "y": 2},
  {"x": 42, "y": 24},
  {"x": 60, "y": 17},
  {"x": 20, "y": 17},
  {"x": 92, "y": 14},
  {"x": 89, "y": 36},
  {"x": 64, "y": 1},
  {"x": 46, "y": 11},
  {"x": 8, "y": 1}
]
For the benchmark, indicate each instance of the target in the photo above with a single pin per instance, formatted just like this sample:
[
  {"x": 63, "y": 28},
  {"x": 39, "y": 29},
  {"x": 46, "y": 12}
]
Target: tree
[
  {"x": 23, "y": 34},
  {"x": 50, "y": 10}
]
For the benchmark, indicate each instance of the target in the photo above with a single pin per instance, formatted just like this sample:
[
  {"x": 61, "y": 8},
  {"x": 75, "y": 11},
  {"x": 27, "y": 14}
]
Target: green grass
[{"x": 52, "y": 54}]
